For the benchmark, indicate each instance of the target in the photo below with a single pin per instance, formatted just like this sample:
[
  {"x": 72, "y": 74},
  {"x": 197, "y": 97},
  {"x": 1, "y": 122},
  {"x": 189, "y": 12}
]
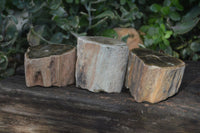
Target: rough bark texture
[
  {"x": 133, "y": 40},
  {"x": 54, "y": 70},
  {"x": 101, "y": 64},
  {"x": 152, "y": 76}
]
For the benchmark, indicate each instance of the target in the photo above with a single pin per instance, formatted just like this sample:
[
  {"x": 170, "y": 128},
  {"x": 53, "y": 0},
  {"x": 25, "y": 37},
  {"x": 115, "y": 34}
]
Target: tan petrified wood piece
[
  {"x": 133, "y": 41},
  {"x": 101, "y": 64},
  {"x": 50, "y": 65},
  {"x": 152, "y": 76}
]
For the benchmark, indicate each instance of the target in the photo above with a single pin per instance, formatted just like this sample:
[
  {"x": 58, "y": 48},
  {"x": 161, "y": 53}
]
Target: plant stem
[
  {"x": 42, "y": 38},
  {"x": 88, "y": 8}
]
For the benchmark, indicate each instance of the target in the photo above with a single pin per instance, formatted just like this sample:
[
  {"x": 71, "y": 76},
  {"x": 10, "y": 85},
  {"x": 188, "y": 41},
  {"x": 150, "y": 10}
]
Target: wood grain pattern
[
  {"x": 54, "y": 70},
  {"x": 73, "y": 110},
  {"x": 153, "y": 77},
  {"x": 101, "y": 64},
  {"x": 133, "y": 41}
]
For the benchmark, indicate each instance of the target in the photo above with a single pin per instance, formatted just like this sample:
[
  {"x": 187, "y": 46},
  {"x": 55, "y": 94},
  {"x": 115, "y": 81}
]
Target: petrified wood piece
[
  {"x": 133, "y": 40},
  {"x": 152, "y": 76},
  {"x": 50, "y": 65},
  {"x": 101, "y": 64}
]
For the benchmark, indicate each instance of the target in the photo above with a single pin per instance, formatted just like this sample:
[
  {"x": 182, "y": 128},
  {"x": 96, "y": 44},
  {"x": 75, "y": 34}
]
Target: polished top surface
[
  {"x": 40, "y": 51},
  {"x": 154, "y": 58}
]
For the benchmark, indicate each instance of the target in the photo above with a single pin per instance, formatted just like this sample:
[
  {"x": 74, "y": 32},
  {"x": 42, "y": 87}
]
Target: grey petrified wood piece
[
  {"x": 50, "y": 65},
  {"x": 152, "y": 76},
  {"x": 101, "y": 64}
]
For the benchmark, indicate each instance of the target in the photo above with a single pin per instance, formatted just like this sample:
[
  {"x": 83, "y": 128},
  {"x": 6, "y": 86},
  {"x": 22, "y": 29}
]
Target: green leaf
[
  {"x": 175, "y": 16},
  {"x": 155, "y": 8},
  {"x": 105, "y": 14},
  {"x": 168, "y": 50},
  {"x": 54, "y": 4},
  {"x": 21, "y": 4},
  {"x": 167, "y": 2},
  {"x": 186, "y": 52},
  {"x": 57, "y": 38},
  {"x": 157, "y": 39},
  {"x": 189, "y": 21},
  {"x": 175, "y": 54},
  {"x": 8, "y": 72},
  {"x": 63, "y": 23},
  {"x": 195, "y": 46},
  {"x": 37, "y": 7},
  {"x": 162, "y": 26},
  {"x": 32, "y": 38},
  {"x": 124, "y": 38},
  {"x": 99, "y": 22},
  {"x": 152, "y": 20},
  {"x": 124, "y": 12},
  {"x": 109, "y": 33},
  {"x": 168, "y": 34},
  {"x": 74, "y": 22},
  {"x": 69, "y": 1},
  {"x": 11, "y": 31},
  {"x": 195, "y": 57},
  {"x": 153, "y": 30},
  {"x": 144, "y": 28},
  {"x": 192, "y": 14},
  {"x": 142, "y": 2},
  {"x": 13, "y": 18},
  {"x": 77, "y": 1},
  {"x": 59, "y": 12},
  {"x": 67, "y": 24},
  {"x": 177, "y": 5},
  {"x": 2, "y": 5},
  {"x": 181, "y": 46},
  {"x": 139, "y": 15},
  {"x": 184, "y": 27},
  {"x": 3, "y": 61},
  {"x": 165, "y": 10},
  {"x": 148, "y": 41},
  {"x": 166, "y": 42},
  {"x": 122, "y": 2},
  {"x": 162, "y": 46}
]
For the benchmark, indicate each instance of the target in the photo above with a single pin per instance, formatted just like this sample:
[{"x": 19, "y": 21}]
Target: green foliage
[
  {"x": 188, "y": 22},
  {"x": 75, "y": 17},
  {"x": 167, "y": 26},
  {"x": 157, "y": 31},
  {"x": 9, "y": 50}
]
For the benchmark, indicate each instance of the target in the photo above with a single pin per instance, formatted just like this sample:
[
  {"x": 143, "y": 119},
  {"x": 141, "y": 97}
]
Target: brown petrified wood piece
[
  {"x": 133, "y": 40},
  {"x": 101, "y": 64},
  {"x": 50, "y": 65},
  {"x": 152, "y": 76}
]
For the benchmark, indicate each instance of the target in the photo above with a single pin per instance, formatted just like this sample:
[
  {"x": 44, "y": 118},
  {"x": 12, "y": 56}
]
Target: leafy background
[{"x": 169, "y": 26}]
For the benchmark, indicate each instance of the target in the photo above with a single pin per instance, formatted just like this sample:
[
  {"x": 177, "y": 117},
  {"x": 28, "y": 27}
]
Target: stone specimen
[
  {"x": 101, "y": 64},
  {"x": 133, "y": 40},
  {"x": 50, "y": 65},
  {"x": 152, "y": 76}
]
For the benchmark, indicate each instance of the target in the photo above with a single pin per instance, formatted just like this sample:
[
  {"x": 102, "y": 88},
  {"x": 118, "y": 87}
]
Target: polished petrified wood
[
  {"x": 152, "y": 76},
  {"x": 133, "y": 39},
  {"x": 101, "y": 64},
  {"x": 50, "y": 65}
]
